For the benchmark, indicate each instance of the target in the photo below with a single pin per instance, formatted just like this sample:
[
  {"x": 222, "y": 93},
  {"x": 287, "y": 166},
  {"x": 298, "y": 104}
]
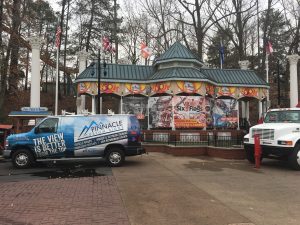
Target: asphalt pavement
[{"x": 151, "y": 189}]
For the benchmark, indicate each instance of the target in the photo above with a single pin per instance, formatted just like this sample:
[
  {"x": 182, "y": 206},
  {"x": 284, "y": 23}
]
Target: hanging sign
[
  {"x": 135, "y": 88},
  {"x": 161, "y": 87}
]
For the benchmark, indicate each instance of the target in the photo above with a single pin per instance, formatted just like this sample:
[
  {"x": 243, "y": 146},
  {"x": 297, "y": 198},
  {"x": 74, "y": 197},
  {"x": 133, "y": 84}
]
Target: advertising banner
[
  {"x": 225, "y": 113},
  {"x": 160, "y": 109},
  {"x": 161, "y": 87},
  {"x": 226, "y": 91},
  {"x": 189, "y": 111},
  {"x": 136, "y": 106},
  {"x": 188, "y": 87},
  {"x": 135, "y": 88},
  {"x": 249, "y": 92},
  {"x": 92, "y": 89}
]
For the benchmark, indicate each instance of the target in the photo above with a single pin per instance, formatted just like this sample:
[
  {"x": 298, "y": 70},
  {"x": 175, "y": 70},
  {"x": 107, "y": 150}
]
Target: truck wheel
[
  {"x": 115, "y": 157},
  {"x": 250, "y": 154},
  {"x": 294, "y": 158},
  {"x": 22, "y": 159}
]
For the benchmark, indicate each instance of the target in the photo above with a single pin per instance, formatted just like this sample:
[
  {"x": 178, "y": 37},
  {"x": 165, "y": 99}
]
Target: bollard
[{"x": 257, "y": 151}]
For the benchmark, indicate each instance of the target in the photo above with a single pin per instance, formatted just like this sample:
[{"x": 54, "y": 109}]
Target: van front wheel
[
  {"x": 22, "y": 159},
  {"x": 115, "y": 157}
]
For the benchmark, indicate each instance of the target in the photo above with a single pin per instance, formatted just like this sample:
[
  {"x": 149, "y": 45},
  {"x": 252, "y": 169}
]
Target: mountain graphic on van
[{"x": 86, "y": 129}]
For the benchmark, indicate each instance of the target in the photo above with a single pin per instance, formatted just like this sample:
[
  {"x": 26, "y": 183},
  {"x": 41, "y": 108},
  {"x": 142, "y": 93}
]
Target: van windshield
[{"x": 283, "y": 117}]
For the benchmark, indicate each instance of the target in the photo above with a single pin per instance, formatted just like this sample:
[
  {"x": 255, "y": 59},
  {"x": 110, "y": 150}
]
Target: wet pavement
[{"x": 149, "y": 190}]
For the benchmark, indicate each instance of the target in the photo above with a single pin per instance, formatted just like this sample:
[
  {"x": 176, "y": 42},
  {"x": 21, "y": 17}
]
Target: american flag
[{"x": 57, "y": 37}]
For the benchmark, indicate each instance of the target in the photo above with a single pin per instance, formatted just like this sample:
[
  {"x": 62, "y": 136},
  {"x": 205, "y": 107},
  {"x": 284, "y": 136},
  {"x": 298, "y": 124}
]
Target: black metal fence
[{"x": 209, "y": 139}]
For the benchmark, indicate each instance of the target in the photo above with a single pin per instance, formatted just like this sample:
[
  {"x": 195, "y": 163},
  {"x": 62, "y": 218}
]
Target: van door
[{"x": 48, "y": 140}]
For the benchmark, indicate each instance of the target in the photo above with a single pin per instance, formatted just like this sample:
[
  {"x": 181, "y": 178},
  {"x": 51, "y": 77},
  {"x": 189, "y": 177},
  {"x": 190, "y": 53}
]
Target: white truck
[{"x": 279, "y": 136}]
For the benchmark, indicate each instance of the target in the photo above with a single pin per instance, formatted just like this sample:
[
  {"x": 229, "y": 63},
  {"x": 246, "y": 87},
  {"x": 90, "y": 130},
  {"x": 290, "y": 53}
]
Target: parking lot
[{"x": 152, "y": 189}]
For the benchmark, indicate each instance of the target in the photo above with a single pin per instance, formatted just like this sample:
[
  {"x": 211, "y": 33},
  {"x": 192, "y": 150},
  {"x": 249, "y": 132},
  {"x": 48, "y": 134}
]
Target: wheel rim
[
  {"x": 298, "y": 157},
  {"x": 115, "y": 157},
  {"x": 22, "y": 159}
]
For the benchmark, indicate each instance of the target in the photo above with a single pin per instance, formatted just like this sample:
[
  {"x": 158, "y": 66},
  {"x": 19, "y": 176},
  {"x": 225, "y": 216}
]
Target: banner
[
  {"x": 226, "y": 91},
  {"x": 188, "y": 87},
  {"x": 210, "y": 89},
  {"x": 136, "y": 106},
  {"x": 160, "y": 109},
  {"x": 92, "y": 89},
  {"x": 225, "y": 113},
  {"x": 249, "y": 92},
  {"x": 209, "y": 104},
  {"x": 135, "y": 88},
  {"x": 189, "y": 111},
  {"x": 161, "y": 87}
]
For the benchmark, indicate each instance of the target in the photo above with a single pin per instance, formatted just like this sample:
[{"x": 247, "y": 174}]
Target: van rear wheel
[
  {"x": 294, "y": 158},
  {"x": 115, "y": 157},
  {"x": 22, "y": 159}
]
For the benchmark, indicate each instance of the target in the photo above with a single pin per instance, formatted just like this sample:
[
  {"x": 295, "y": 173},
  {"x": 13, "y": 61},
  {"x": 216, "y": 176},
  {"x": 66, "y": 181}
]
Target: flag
[
  {"x": 269, "y": 47},
  {"x": 57, "y": 37},
  {"x": 107, "y": 45},
  {"x": 221, "y": 52},
  {"x": 145, "y": 50}
]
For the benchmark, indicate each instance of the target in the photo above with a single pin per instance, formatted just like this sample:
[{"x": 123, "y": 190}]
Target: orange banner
[
  {"x": 188, "y": 87},
  {"x": 135, "y": 88},
  {"x": 210, "y": 89},
  {"x": 226, "y": 91},
  {"x": 160, "y": 87},
  {"x": 249, "y": 92}
]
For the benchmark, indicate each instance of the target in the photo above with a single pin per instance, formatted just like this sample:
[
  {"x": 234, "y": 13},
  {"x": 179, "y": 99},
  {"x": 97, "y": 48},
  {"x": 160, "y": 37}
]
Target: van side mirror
[{"x": 36, "y": 130}]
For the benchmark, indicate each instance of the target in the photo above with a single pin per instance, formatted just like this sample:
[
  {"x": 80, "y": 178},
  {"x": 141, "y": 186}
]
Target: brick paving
[{"x": 84, "y": 201}]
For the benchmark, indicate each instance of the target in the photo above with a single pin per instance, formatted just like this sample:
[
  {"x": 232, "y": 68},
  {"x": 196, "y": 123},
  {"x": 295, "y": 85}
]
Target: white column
[
  {"x": 238, "y": 115},
  {"x": 35, "y": 87},
  {"x": 173, "y": 110},
  {"x": 247, "y": 111},
  {"x": 121, "y": 104},
  {"x": 93, "y": 104},
  {"x": 82, "y": 57},
  {"x": 293, "y": 79},
  {"x": 148, "y": 112},
  {"x": 243, "y": 110},
  {"x": 260, "y": 109}
]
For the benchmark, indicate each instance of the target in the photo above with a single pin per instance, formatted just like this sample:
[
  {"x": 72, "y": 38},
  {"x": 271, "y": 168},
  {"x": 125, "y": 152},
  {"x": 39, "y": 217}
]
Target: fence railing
[{"x": 209, "y": 139}]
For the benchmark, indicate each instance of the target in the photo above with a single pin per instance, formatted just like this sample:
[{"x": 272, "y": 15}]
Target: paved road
[{"x": 152, "y": 189}]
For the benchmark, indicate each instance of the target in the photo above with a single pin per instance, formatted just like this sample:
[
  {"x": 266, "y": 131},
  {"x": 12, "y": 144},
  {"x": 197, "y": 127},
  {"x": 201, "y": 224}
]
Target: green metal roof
[
  {"x": 116, "y": 72},
  {"x": 177, "y": 73},
  {"x": 177, "y": 52},
  {"x": 234, "y": 76}
]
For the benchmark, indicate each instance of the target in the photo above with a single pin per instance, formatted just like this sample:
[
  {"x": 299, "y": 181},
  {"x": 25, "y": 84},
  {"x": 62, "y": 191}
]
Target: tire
[
  {"x": 250, "y": 154},
  {"x": 115, "y": 157},
  {"x": 22, "y": 159},
  {"x": 294, "y": 158}
]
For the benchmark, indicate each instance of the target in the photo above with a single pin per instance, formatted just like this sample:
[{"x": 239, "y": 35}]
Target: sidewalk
[{"x": 88, "y": 200}]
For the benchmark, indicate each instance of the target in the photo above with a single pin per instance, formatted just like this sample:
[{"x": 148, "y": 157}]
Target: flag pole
[
  {"x": 57, "y": 69},
  {"x": 267, "y": 79}
]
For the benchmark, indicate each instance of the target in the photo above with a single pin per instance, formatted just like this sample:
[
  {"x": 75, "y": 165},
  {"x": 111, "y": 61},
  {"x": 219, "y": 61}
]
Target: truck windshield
[{"x": 283, "y": 117}]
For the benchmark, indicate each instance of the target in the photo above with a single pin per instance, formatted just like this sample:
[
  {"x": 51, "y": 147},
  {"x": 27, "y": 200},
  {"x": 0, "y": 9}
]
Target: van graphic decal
[
  {"x": 103, "y": 139},
  {"x": 96, "y": 129},
  {"x": 48, "y": 145}
]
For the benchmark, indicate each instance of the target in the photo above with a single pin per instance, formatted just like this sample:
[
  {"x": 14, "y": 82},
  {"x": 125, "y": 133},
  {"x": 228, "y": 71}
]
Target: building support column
[
  {"x": 82, "y": 57},
  {"x": 260, "y": 109},
  {"x": 35, "y": 87},
  {"x": 293, "y": 59},
  {"x": 93, "y": 104},
  {"x": 247, "y": 111}
]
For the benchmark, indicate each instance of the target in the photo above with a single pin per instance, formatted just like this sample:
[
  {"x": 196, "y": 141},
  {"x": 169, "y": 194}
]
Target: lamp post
[{"x": 99, "y": 86}]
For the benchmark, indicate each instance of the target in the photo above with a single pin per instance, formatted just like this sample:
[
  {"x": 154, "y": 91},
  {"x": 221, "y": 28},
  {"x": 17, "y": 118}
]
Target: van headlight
[{"x": 290, "y": 143}]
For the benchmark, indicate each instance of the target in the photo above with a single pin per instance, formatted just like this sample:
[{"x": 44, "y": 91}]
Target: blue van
[{"x": 77, "y": 137}]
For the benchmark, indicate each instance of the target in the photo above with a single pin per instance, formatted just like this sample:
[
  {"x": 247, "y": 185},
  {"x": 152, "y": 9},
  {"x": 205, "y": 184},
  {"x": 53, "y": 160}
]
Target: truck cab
[{"x": 279, "y": 136}]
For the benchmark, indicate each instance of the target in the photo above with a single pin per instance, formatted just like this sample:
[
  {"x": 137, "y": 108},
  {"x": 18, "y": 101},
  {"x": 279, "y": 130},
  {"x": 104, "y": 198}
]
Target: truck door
[{"x": 48, "y": 141}]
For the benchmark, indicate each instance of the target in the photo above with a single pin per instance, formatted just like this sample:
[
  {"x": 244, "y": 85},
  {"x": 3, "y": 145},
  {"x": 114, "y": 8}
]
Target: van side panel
[{"x": 93, "y": 133}]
